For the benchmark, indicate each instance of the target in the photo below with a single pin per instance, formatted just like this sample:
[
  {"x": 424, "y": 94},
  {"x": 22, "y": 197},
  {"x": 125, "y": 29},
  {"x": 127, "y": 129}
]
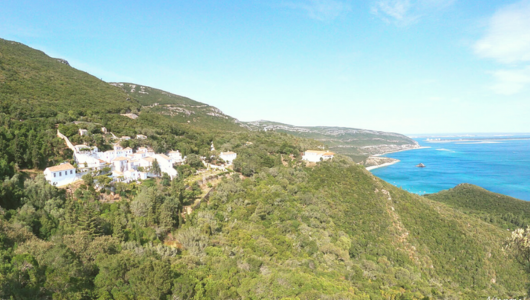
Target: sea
[{"x": 500, "y": 164}]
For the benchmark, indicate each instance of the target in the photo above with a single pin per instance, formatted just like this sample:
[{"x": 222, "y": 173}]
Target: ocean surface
[{"x": 498, "y": 165}]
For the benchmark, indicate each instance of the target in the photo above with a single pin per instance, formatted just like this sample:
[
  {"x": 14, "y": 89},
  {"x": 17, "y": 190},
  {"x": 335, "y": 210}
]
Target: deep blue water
[{"x": 498, "y": 166}]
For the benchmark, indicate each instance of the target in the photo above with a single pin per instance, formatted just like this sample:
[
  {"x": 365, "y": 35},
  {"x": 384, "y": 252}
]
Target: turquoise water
[{"x": 499, "y": 166}]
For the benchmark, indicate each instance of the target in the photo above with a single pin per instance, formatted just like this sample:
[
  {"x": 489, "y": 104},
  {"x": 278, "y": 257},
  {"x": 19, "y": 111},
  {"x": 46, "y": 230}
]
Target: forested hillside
[
  {"x": 180, "y": 109},
  {"x": 270, "y": 226},
  {"x": 356, "y": 143},
  {"x": 501, "y": 210}
]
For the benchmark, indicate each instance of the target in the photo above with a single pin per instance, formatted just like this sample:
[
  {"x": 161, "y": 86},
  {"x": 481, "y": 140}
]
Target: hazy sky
[{"x": 409, "y": 66}]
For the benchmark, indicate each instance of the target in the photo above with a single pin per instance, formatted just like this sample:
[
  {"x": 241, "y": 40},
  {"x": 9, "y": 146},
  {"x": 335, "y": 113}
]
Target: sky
[{"x": 408, "y": 66}]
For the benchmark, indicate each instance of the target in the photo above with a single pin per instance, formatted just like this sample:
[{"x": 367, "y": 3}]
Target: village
[{"x": 122, "y": 164}]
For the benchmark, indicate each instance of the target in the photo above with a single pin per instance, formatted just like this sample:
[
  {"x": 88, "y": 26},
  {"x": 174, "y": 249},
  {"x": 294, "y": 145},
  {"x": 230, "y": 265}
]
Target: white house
[
  {"x": 141, "y": 136},
  {"x": 146, "y": 162},
  {"x": 125, "y": 138},
  {"x": 61, "y": 174},
  {"x": 120, "y": 163},
  {"x": 83, "y": 132},
  {"x": 128, "y": 151},
  {"x": 175, "y": 156},
  {"x": 228, "y": 157},
  {"x": 166, "y": 165},
  {"x": 316, "y": 156},
  {"x": 132, "y": 174},
  {"x": 104, "y": 130}
]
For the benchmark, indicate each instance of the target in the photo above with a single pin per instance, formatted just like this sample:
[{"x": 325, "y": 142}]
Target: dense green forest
[
  {"x": 501, "y": 210},
  {"x": 274, "y": 227}
]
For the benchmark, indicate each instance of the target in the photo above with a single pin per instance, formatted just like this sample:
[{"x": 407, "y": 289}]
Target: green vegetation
[
  {"x": 180, "y": 109},
  {"x": 358, "y": 144},
  {"x": 272, "y": 228},
  {"x": 503, "y": 211},
  {"x": 34, "y": 85}
]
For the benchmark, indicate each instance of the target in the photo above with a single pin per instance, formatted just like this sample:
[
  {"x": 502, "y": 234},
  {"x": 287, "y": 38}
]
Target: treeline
[{"x": 29, "y": 144}]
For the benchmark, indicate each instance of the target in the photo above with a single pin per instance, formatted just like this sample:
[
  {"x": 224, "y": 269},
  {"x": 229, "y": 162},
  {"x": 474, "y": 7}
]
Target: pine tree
[{"x": 88, "y": 222}]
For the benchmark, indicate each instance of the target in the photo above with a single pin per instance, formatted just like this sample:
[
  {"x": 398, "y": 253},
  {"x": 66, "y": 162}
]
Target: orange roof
[
  {"x": 149, "y": 159},
  {"x": 328, "y": 153},
  {"x": 128, "y": 148},
  {"x": 117, "y": 172},
  {"x": 120, "y": 158},
  {"x": 227, "y": 153},
  {"x": 62, "y": 167}
]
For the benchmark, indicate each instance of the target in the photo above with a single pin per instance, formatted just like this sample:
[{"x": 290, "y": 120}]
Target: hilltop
[
  {"x": 179, "y": 108},
  {"x": 501, "y": 210},
  {"x": 356, "y": 143}
]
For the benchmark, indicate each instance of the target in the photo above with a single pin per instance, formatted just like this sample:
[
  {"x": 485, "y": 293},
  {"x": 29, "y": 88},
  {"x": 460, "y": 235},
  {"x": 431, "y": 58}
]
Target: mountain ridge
[{"x": 356, "y": 143}]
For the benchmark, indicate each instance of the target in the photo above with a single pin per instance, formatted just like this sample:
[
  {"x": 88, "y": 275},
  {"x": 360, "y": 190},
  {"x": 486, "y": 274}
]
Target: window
[
  {"x": 54, "y": 174},
  {"x": 71, "y": 171},
  {"x": 60, "y": 174}
]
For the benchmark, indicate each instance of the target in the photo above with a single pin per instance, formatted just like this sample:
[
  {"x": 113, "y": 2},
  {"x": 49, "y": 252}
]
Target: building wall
[{"x": 66, "y": 177}]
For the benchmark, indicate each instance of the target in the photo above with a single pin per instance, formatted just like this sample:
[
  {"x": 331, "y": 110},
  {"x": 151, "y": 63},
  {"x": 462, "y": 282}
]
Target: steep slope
[
  {"x": 501, "y": 210},
  {"x": 180, "y": 109},
  {"x": 337, "y": 231},
  {"x": 355, "y": 143},
  {"x": 33, "y": 84}
]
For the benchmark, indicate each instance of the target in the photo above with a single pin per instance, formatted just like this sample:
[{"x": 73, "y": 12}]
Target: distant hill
[
  {"x": 353, "y": 142},
  {"x": 179, "y": 108},
  {"x": 501, "y": 210}
]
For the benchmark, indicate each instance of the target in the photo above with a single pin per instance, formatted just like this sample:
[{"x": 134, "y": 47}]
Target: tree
[
  {"x": 519, "y": 243},
  {"x": 194, "y": 161},
  {"x": 156, "y": 168}
]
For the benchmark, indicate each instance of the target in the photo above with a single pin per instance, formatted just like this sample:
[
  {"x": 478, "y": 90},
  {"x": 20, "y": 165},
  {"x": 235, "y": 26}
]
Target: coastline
[
  {"x": 386, "y": 164},
  {"x": 383, "y": 165},
  {"x": 422, "y": 147}
]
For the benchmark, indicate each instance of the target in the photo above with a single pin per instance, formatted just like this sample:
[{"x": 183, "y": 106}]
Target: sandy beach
[{"x": 383, "y": 165}]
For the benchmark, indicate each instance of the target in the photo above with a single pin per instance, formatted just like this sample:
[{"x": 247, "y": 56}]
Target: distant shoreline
[
  {"x": 393, "y": 162},
  {"x": 423, "y": 147},
  {"x": 383, "y": 165},
  {"x": 477, "y": 140}
]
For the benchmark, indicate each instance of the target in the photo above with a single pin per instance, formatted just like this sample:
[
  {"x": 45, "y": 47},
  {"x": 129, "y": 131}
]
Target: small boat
[{"x": 420, "y": 166}]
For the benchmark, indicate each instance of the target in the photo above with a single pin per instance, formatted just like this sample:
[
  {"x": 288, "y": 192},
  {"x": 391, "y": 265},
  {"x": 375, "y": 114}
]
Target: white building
[
  {"x": 104, "y": 130},
  {"x": 316, "y": 156},
  {"x": 83, "y": 132},
  {"x": 124, "y": 163},
  {"x": 61, "y": 174},
  {"x": 166, "y": 165},
  {"x": 125, "y": 138},
  {"x": 175, "y": 156},
  {"x": 141, "y": 136},
  {"x": 228, "y": 156},
  {"x": 120, "y": 163}
]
